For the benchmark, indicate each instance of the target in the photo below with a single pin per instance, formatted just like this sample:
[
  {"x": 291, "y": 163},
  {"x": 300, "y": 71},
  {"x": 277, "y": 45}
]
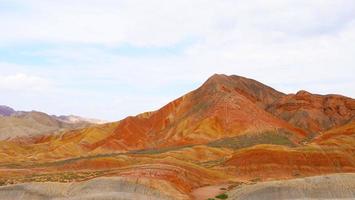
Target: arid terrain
[
  {"x": 231, "y": 138},
  {"x": 21, "y": 123}
]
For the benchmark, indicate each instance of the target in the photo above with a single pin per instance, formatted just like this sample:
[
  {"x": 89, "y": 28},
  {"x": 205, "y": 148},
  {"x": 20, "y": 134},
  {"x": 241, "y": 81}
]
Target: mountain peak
[
  {"x": 303, "y": 93},
  {"x": 216, "y": 79},
  {"x": 255, "y": 91},
  {"x": 6, "y": 110}
]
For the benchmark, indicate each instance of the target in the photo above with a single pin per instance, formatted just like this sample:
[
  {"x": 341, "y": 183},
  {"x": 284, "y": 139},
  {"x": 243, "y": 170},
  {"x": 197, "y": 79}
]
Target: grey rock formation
[
  {"x": 96, "y": 189},
  {"x": 335, "y": 186}
]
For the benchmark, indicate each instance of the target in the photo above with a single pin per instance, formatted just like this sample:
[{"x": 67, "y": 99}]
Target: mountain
[
  {"x": 312, "y": 112},
  {"x": 6, "y": 111},
  {"x": 20, "y": 123},
  {"x": 77, "y": 119},
  {"x": 231, "y": 132},
  {"x": 217, "y": 109},
  {"x": 256, "y": 92},
  {"x": 223, "y": 107}
]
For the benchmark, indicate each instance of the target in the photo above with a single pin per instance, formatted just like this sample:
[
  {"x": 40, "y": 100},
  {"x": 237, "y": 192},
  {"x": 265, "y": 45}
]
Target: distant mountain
[
  {"x": 77, "y": 119},
  {"x": 6, "y": 111},
  {"x": 20, "y": 123}
]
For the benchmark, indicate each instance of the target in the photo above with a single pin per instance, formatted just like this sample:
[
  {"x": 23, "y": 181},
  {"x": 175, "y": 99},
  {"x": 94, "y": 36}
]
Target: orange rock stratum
[{"x": 230, "y": 131}]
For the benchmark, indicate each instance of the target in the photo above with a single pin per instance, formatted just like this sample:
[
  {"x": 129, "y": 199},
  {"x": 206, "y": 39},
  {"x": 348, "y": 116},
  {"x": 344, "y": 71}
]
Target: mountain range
[
  {"x": 228, "y": 133},
  {"x": 22, "y": 123}
]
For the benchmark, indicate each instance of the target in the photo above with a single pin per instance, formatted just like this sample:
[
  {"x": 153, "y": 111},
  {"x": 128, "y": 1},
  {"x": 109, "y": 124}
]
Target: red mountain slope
[
  {"x": 224, "y": 106},
  {"x": 313, "y": 112}
]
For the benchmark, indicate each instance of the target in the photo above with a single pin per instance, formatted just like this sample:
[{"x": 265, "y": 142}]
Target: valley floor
[{"x": 333, "y": 186}]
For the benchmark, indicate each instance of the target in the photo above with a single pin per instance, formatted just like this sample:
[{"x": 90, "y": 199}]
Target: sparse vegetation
[
  {"x": 222, "y": 196},
  {"x": 257, "y": 179},
  {"x": 212, "y": 163},
  {"x": 279, "y": 138},
  {"x": 2, "y": 182},
  {"x": 160, "y": 150},
  {"x": 309, "y": 138},
  {"x": 296, "y": 174}
]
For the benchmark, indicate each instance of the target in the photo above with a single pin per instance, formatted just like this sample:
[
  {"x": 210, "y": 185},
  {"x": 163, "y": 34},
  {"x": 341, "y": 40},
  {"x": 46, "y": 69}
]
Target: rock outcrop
[{"x": 314, "y": 113}]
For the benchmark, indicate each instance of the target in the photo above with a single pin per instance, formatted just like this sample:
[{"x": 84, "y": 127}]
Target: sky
[{"x": 108, "y": 59}]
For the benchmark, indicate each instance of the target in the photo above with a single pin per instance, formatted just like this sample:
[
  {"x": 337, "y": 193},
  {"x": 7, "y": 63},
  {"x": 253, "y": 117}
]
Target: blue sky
[{"x": 111, "y": 58}]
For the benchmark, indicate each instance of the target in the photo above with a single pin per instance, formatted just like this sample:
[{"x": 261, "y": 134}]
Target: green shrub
[{"x": 222, "y": 196}]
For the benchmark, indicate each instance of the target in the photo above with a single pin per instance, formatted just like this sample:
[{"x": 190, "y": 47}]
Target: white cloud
[
  {"x": 23, "y": 83},
  {"x": 160, "y": 22},
  {"x": 288, "y": 44}
]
